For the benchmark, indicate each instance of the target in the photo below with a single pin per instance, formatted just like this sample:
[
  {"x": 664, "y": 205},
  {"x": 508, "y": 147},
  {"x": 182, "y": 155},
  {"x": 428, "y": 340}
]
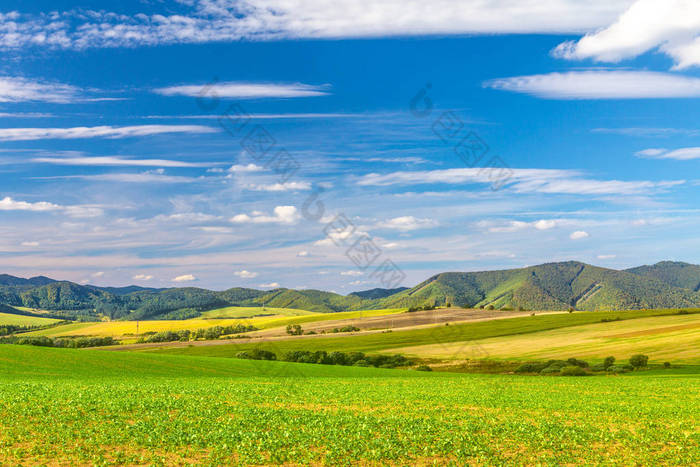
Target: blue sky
[{"x": 113, "y": 171}]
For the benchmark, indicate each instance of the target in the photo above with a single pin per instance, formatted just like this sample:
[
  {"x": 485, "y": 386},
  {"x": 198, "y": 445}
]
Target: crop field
[
  {"x": 250, "y": 311},
  {"x": 459, "y": 340},
  {"x": 96, "y": 407},
  {"x": 19, "y": 320},
  {"x": 119, "y": 329},
  {"x": 673, "y": 338}
]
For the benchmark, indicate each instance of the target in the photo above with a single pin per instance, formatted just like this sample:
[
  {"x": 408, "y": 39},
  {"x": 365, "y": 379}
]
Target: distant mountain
[
  {"x": 373, "y": 294},
  {"x": 684, "y": 275},
  {"x": 553, "y": 286}
]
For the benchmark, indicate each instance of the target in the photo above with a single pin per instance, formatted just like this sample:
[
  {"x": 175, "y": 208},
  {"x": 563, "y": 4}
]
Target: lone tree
[
  {"x": 294, "y": 330},
  {"x": 639, "y": 361}
]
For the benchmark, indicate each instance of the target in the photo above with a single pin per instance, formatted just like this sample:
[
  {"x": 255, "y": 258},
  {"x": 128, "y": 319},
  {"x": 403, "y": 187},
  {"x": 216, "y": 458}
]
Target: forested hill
[{"x": 554, "y": 286}]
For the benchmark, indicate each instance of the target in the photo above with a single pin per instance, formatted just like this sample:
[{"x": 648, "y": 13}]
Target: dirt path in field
[{"x": 370, "y": 325}]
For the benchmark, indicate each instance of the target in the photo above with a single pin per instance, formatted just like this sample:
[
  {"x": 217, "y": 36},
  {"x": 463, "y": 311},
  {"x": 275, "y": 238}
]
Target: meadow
[
  {"x": 109, "y": 408},
  {"x": 21, "y": 320}
]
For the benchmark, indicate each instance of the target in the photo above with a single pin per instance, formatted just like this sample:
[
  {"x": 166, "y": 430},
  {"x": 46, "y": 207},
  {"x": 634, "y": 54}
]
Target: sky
[{"x": 344, "y": 145}]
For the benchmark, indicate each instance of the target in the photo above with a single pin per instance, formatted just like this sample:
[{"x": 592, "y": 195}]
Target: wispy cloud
[
  {"x": 548, "y": 181},
  {"x": 246, "y": 274},
  {"x": 185, "y": 278},
  {"x": 649, "y": 132},
  {"x": 245, "y": 90},
  {"x": 77, "y": 211},
  {"x": 601, "y": 84},
  {"x": 30, "y": 134},
  {"x": 683, "y": 154},
  {"x": 231, "y": 20},
  {"x": 15, "y": 89},
  {"x": 109, "y": 161},
  {"x": 278, "y": 187},
  {"x": 407, "y": 223}
]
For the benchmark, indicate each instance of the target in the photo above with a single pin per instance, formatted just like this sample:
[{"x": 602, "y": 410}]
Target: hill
[
  {"x": 676, "y": 274},
  {"x": 553, "y": 286}
]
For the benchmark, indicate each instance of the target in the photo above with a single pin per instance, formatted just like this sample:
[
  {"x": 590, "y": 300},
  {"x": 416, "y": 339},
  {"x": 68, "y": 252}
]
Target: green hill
[
  {"x": 554, "y": 286},
  {"x": 683, "y": 275}
]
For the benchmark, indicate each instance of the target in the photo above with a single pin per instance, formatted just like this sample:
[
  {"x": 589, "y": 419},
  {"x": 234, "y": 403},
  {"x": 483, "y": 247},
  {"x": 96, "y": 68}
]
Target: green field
[
  {"x": 20, "y": 320},
  {"x": 102, "y": 408}
]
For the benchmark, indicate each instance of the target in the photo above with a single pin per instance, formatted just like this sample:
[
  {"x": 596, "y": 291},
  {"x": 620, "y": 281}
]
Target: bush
[
  {"x": 667, "y": 364},
  {"x": 617, "y": 369},
  {"x": 424, "y": 368},
  {"x": 599, "y": 367},
  {"x": 573, "y": 370},
  {"x": 639, "y": 361},
  {"x": 531, "y": 368},
  {"x": 579, "y": 363},
  {"x": 363, "y": 363},
  {"x": 294, "y": 330},
  {"x": 608, "y": 362},
  {"x": 257, "y": 354},
  {"x": 550, "y": 370}
]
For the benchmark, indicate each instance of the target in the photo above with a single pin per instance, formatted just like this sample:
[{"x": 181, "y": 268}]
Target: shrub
[
  {"x": 294, "y": 330},
  {"x": 363, "y": 363},
  {"x": 447, "y": 305},
  {"x": 609, "y": 361},
  {"x": 573, "y": 370},
  {"x": 550, "y": 370},
  {"x": 257, "y": 354},
  {"x": 579, "y": 363},
  {"x": 639, "y": 361},
  {"x": 531, "y": 368},
  {"x": 424, "y": 368},
  {"x": 667, "y": 364},
  {"x": 489, "y": 307},
  {"x": 599, "y": 367},
  {"x": 617, "y": 369}
]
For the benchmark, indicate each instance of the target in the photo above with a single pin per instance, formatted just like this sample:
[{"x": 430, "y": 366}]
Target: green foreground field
[{"x": 102, "y": 408}]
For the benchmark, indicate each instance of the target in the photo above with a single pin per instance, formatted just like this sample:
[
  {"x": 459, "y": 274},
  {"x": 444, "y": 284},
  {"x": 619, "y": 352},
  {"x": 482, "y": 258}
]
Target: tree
[
  {"x": 639, "y": 361},
  {"x": 608, "y": 362},
  {"x": 294, "y": 330}
]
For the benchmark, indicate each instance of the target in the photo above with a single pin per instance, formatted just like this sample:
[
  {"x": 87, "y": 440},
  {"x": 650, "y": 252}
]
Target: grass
[
  {"x": 459, "y": 338},
  {"x": 20, "y": 320},
  {"x": 249, "y": 312},
  {"x": 667, "y": 338},
  {"x": 94, "y": 407}
]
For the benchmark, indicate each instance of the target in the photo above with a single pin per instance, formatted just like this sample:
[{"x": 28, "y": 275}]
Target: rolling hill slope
[{"x": 553, "y": 286}]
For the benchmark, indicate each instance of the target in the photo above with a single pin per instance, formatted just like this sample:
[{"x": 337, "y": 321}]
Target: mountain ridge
[{"x": 549, "y": 286}]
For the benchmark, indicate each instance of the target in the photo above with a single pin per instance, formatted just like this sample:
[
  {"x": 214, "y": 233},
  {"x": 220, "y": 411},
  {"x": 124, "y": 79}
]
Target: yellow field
[
  {"x": 251, "y": 311},
  {"x": 121, "y": 329},
  {"x": 18, "y": 320},
  {"x": 674, "y": 338}
]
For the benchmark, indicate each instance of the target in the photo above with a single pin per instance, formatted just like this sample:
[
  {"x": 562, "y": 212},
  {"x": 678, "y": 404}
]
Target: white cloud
[
  {"x": 30, "y": 134},
  {"x": 607, "y": 256},
  {"x": 271, "y": 285},
  {"x": 232, "y": 20},
  {"x": 245, "y": 168},
  {"x": 683, "y": 154},
  {"x": 578, "y": 235},
  {"x": 30, "y": 244},
  {"x": 185, "y": 278},
  {"x": 352, "y": 273},
  {"x": 303, "y": 254},
  {"x": 110, "y": 161},
  {"x": 277, "y": 187},
  {"x": 9, "y": 204},
  {"x": 98, "y": 274},
  {"x": 245, "y": 90},
  {"x": 282, "y": 215},
  {"x": 142, "y": 277},
  {"x": 14, "y": 89},
  {"x": 246, "y": 274},
  {"x": 407, "y": 223},
  {"x": 515, "y": 226},
  {"x": 601, "y": 84},
  {"x": 152, "y": 176},
  {"x": 545, "y": 224},
  {"x": 521, "y": 181},
  {"x": 671, "y": 26}
]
